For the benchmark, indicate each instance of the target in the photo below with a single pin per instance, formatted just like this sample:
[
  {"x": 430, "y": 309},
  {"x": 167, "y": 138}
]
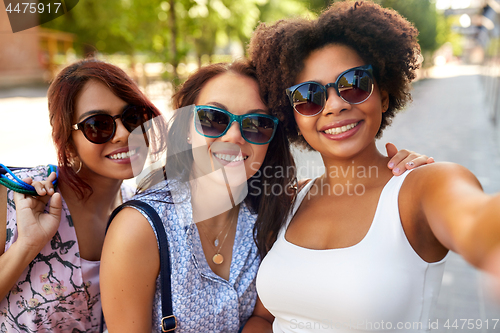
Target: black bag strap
[{"x": 168, "y": 320}]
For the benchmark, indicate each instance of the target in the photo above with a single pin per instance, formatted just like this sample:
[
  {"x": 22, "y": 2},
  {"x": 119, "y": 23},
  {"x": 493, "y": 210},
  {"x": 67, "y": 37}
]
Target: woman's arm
[
  {"x": 35, "y": 229},
  {"x": 130, "y": 263},
  {"x": 43, "y": 189},
  {"x": 461, "y": 216},
  {"x": 261, "y": 320}
]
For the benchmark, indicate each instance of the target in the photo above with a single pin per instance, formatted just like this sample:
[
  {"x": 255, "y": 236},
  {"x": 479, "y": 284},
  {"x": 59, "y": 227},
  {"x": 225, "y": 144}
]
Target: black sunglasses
[
  {"x": 354, "y": 86},
  {"x": 100, "y": 128},
  {"x": 255, "y": 128}
]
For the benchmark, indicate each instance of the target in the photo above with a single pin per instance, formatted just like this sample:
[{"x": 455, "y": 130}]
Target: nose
[
  {"x": 233, "y": 134},
  {"x": 121, "y": 133},
  {"x": 334, "y": 103}
]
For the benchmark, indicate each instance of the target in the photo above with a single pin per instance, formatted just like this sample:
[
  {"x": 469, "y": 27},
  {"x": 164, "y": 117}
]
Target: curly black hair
[{"x": 380, "y": 36}]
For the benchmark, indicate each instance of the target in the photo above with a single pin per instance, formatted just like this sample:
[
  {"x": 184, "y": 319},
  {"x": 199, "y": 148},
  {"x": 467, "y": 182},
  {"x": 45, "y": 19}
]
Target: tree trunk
[{"x": 173, "y": 29}]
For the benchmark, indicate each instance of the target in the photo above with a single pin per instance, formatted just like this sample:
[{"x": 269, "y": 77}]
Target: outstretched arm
[
  {"x": 130, "y": 263},
  {"x": 461, "y": 216}
]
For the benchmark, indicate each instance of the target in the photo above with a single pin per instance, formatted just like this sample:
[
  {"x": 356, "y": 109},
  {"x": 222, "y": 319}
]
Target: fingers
[
  {"x": 37, "y": 205},
  {"x": 27, "y": 180},
  {"x": 45, "y": 187},
  {"x": 40, "y": 188},
  {"x": 22, "y": 201},
  {"x": 391, "y": 149},
  {"x": 398, "y": 161},
  {"x": 412, "y": 161},
  {"x": 404, "y": 159},
  {"x": 18, "y": 197},
  {"x": 55, "y": 207}
]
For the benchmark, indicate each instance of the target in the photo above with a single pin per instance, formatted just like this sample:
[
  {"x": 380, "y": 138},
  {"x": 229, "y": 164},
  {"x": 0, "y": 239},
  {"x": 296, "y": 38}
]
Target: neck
[
  {"x": 106, "y": 194},
  {"x": 216, "y": 223},
  {"x": 212, "y": 198},
  {"x": 365, "y": 168}
]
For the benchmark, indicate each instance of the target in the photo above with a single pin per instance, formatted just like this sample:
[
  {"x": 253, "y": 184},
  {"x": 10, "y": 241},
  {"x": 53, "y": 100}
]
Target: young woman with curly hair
[
  {"x": 50, "y": 252},
  {"x": 361, "y": 250}
]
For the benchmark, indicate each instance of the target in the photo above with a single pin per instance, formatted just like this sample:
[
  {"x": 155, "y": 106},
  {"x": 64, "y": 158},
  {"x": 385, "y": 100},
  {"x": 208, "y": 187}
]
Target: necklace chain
[{"x": 219, "y": 258}]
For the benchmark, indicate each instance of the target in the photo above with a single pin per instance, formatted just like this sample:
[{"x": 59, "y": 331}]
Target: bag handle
[
  {"x": 3, "y": 218},
  {"x": 18, "y": 185},
  {"x": 168, "y": 320}
]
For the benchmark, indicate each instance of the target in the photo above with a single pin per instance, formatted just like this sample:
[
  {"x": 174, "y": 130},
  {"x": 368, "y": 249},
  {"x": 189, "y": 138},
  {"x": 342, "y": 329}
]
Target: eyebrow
[
  {"x": 94, "y": 112},
  {"x": 90, "y": 113},
  {"x": 222, "y": 106}
]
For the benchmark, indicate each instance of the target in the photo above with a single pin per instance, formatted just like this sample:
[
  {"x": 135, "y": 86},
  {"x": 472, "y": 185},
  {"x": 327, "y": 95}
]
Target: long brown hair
[
  {"x": 62, "y": 94},
  {"x": 279, "y": 160}
]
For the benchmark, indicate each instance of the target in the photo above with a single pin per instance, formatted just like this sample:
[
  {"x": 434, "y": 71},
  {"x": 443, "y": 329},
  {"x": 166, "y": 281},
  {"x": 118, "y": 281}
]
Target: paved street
[{"x": 447, "y": 120}]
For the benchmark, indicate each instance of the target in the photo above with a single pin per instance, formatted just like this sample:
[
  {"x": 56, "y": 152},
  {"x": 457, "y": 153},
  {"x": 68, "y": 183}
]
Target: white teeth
[
  {"x": 338, "y": 130},
  {"x": 121, "y": 156},
  {"x": 230, "y": 158}
]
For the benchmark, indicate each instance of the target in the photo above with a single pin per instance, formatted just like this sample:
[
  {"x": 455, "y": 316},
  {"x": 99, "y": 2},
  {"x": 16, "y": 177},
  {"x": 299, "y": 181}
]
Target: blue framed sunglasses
[
  {"x": 354, "y": 86},
  {"x": 255, "y": 128}
]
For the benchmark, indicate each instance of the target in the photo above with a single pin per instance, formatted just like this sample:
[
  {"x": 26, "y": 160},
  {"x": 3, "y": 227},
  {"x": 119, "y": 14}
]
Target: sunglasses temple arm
[
  {"x": 146, "y": 139},
  {"x": 211, "y": 158},
  {"x": 228, "y": 187},
  {"x": 224, "y": 174}
]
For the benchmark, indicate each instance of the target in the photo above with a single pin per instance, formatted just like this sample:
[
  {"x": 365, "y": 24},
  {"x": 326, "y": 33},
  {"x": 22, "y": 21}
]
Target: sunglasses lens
[
  {"x": 355, "y": 86},
  {"x": 308, "y": 99},
  {"x": 211, "y": 123},
  {"x": 98, "y": 128},
  {"x": 258, "y": 129},
  {"x": 135, "y": 116}
]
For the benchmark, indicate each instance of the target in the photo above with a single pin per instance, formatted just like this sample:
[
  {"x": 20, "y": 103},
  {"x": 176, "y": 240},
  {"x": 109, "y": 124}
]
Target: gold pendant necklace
[{"x": 219, "y": 258}]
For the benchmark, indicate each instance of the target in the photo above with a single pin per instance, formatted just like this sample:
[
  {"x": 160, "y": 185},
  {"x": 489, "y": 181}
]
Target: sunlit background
[{"x": 158, "y": 43}]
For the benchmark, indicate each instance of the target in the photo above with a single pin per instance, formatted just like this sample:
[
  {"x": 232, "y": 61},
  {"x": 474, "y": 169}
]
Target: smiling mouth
[
  {"x": 230, "y": 158},
  {"x": 341, "y": 129},
  {"x": 122, "y": 156}
]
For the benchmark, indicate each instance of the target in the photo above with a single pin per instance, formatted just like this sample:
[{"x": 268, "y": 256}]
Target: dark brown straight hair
[{"x": 261, "y": 199}]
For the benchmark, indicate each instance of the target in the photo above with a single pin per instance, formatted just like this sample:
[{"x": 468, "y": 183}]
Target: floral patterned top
[
  {"x": 54, "y": 293},
  {"x": 203, "y": 301}
]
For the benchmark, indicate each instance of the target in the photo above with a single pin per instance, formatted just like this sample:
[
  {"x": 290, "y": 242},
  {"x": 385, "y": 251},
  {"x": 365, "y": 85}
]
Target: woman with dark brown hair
[
  {"x": 371, "y": 259},
  {"x": 213, "y": 255},
  {"x": 49, "y": 276}
]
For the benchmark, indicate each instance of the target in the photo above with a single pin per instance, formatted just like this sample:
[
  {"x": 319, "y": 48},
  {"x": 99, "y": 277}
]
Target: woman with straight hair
[{"x": 49, "y": 276}]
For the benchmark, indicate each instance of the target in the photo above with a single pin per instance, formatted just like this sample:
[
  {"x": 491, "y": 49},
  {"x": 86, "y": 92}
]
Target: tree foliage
[{"x": 202, "y": 27}]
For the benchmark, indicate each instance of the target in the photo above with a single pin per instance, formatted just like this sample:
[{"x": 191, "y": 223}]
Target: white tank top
[{"x": 379, "y": 284}]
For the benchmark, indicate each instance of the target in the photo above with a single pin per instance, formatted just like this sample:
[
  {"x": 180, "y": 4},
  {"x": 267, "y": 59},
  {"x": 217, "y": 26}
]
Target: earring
[
  {"x": 79, "y": 168},
  {"x": 188, "y": 140}
]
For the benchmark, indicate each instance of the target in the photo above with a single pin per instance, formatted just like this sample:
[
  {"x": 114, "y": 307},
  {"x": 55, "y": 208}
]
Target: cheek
[
  {"x": 198, "y": 140},
  {"x": 305, "y": 123},
  {"x": 80, "y": 145}
]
